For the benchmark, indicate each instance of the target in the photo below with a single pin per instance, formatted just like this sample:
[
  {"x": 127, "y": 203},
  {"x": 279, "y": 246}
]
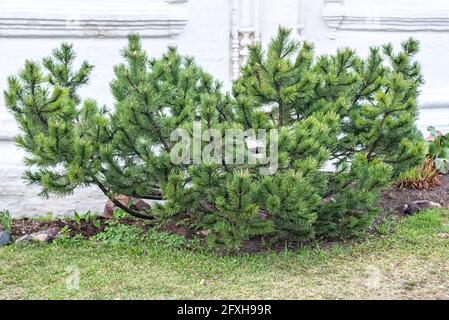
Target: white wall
[
  {"x": 204, "y": 35},
  {"x": 215, "y": 32}
]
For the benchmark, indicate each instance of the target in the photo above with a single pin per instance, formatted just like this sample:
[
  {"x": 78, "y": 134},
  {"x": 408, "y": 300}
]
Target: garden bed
[
  {"x": 392, "y": 203},
  {"x": 393, "y": 199},
  {"x": 86, "y": 229}
]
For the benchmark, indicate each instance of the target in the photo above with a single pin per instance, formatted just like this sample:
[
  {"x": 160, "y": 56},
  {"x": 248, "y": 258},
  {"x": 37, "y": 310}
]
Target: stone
[
  {"x": 139, "y": 204},
  {"x": 41, "y": 237},
  {"x": 24, "y": 239},
  {"x": 110, "y": 207},
  {"x": 53, "y": 232},
  {"x": 136, "y": 204},
  {"x": 420, "y": 205},
  {"x": 46, "y": 236},
  {"x": 5, "y": 238},
  {"x": 108, "y": 211}
]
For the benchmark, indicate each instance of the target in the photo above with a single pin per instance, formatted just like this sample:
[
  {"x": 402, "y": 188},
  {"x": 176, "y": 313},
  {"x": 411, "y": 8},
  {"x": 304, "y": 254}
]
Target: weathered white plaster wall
[
  {"x": 205, "y": 35},
  {"x": 215, "y": 33}
]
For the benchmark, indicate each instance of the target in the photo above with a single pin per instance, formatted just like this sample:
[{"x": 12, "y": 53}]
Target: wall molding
[
  {"x": 92, "y": 18},
  {"x": 245, "y": 29},
  {"x": 387, "y": 17}
]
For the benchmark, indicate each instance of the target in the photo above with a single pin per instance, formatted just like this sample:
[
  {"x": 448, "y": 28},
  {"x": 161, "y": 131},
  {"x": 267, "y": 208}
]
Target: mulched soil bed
[
  {"x": 392, "y": 203},
  {"x": 394, "y": 199},
  {"x": 88, "y": 230},
  {"x": 24, "y": 226}
]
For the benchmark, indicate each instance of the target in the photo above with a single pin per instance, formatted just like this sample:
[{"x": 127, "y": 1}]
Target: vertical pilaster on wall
[
  {"x": 245, "y": 30},
  {"x": 235, "y": 41},
  {"x": 333, "y": 15},
  {"x": 257, "y": 17}
]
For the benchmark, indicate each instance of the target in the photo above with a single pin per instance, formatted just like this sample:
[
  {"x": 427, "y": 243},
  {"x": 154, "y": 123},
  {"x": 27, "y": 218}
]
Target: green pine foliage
[
  {"x": 345, "y": 124},
  {"x": 61, "y": 136},
  {"x": 359, "y": 115},
  {"x": 236, "y": 216}
]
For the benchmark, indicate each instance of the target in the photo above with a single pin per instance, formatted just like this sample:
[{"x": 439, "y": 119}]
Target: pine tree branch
[{"x": 119, "y": 204}]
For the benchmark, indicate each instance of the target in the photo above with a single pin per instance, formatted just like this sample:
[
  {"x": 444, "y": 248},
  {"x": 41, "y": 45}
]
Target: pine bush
[{"x": 345, "y": 127}]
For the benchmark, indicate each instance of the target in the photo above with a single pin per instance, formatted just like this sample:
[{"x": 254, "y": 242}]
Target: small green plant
[
  {"x": 119, "y": 234},
  {"x": 169, "y": 240},
  {"x": 66, "y": 239},
  {"x": 6, "y": 221},
  {"x": 77, "y": 218},
  {"x": 88, "y": 217},
  {"x": 121, "y": 214},
  {"x": 438, "y": 149},
  {"x": 97, "y": 223},
  {"x": 420, "y": 178}
]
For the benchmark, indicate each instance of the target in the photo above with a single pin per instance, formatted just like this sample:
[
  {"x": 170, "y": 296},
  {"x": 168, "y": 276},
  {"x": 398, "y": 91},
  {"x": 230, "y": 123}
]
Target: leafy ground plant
[
  {"x": 423, "y": 177},
  {"x": 438, "y": 149},
  {"x": 169, "y": 240},
  {"x": 5, "y": 220},
  {"x": 87, "y": 217},
  {"x": 119, "y": 234}
]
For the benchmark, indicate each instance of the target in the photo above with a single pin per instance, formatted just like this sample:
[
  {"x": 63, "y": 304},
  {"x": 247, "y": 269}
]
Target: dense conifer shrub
[{"x": 345, "y": 127}]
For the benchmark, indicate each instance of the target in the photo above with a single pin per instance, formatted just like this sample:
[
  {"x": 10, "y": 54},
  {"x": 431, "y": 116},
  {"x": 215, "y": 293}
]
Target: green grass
[{"x": 411, "y": 260}]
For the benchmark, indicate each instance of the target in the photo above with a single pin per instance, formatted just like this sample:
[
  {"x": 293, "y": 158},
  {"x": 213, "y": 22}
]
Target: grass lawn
[{"x": 411, "y": 260}]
